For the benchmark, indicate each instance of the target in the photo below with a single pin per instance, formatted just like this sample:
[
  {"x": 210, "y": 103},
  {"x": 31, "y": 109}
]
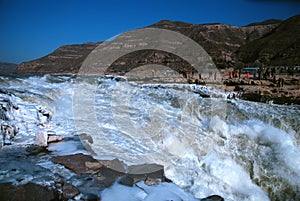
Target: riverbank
[
  {"x": 35, "y": 172},
  {"x": 250, "y": 89},
  {"x": 283, "y": 89},
  {"x": 267, "y": 91}
]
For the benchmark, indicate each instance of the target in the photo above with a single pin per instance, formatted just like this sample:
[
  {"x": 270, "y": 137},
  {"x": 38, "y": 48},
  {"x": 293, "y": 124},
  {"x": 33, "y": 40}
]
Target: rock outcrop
[{"x": 109, "y": 171}]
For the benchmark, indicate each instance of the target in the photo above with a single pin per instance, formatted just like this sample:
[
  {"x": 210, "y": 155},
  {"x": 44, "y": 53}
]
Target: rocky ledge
[
  {"x": 36, "y": 172},
  {"x": 281, "y": 91}
]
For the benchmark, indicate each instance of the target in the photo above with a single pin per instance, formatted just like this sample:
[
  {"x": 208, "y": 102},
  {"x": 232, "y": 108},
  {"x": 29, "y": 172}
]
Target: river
[{"x": 237, "y": 149}]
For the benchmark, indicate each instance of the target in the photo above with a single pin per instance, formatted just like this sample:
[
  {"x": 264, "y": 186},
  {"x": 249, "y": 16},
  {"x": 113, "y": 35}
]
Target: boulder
[
  {"x": 85, "y": 164},
  {"x": 35, "y": 150},
  {"x": 145, "y": 171},
  {"x": 106, "y": 177},
  {"x": 114, "y": 164},
  {"x": 254, "y": 96},
  {"x": 69, "y": 191},
  {"x": 126, "y": 181},
  {"x": 76, "y": 163}
]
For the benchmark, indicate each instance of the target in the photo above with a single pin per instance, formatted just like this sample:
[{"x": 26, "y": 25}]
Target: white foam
[
  {"x": 219, "y": 126},
  {"x": 281, "y": 144},
  {"x": 233, "y": 176}
]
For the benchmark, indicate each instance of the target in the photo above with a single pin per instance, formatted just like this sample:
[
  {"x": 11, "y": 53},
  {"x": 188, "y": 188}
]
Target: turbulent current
[{"x": 237, "y": 149}]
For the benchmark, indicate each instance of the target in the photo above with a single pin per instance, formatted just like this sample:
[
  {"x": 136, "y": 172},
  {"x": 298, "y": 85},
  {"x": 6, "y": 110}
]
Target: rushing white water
[{"x": 237, "y": 149}]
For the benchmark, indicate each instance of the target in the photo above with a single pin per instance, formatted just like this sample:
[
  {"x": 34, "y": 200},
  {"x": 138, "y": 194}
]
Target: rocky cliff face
[
  {"x": 143, "y": 57},
  {"x": 271, "y": 42},
  {"x": 221, "y": 41}
]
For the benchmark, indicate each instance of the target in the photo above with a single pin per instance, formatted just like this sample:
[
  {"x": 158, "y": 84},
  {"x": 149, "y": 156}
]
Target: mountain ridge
[
  {"x": 269, "y": 21},
  {"x": 281, "y": 46},
  {"x": 226, "y": 44},
  {"x": 7, "y": 68}
]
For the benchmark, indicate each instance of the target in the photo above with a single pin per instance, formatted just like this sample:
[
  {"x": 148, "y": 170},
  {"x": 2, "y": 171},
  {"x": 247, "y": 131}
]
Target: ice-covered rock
[
  {"x": 43, "y": 116},
  {"x": 8, "y": 132},
  {"x": 41, "y": 138}
]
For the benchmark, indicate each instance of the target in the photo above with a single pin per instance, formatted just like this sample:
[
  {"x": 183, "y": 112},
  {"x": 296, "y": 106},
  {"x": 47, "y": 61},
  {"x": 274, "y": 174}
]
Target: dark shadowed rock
[
  {"x": 35, "y": 149},
  {"x": 254, "y": 95},
  {"x": 30, "y": 191},
  {"x": 152, "y": 181},
  {"x": 90, "y": 197},
  {"x": 213, "y": 198},
  {"x": 126, "y": 181},
  {"x": 144, "y": 171},
  {"x": 69, "y": 191},
  {"x": 151, "y": 174},
  {"x": 106, "y": 177},
  {"x": 166, "y": 179}
]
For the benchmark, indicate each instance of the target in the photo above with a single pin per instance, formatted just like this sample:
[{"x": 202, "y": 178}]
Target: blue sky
[{"x": 33, "y": 28}]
